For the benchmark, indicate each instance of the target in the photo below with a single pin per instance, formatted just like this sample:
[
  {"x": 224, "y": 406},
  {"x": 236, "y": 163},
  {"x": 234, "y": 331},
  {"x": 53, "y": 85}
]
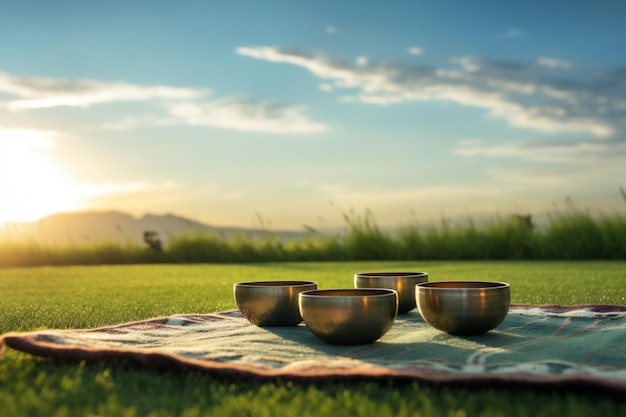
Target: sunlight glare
[{"x": 31, "y": 185}]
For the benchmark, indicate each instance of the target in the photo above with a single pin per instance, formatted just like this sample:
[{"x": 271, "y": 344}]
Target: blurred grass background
[{"x": 568, "y": 235}]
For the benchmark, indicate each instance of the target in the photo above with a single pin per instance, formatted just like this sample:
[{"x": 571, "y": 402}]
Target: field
[
  {"x": 572, "y": 234},
  {"x": 90, "y": 296}
]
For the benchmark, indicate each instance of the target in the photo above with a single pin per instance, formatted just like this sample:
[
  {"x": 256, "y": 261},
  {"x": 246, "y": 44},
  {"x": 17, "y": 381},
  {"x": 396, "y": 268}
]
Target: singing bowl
[
  {"x": 463, "y": 307},
  {"x": 352, "y": 316},
  {"x": 403, "y": 282},
  {"x": 271, "y": 303}
]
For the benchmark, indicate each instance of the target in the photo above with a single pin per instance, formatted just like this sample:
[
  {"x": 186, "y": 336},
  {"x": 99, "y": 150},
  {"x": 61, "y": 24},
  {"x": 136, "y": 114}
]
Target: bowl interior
[
  {"x": 463, "y": 285},
  {"x": 391, "y": 274},
  {"x": 349, "y": 293},
  {"x": 254, "y": 284}
]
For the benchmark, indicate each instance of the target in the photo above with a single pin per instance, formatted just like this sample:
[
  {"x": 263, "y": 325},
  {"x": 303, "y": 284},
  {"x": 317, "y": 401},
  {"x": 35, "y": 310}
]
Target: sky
[{"x": 289, "y": 113}]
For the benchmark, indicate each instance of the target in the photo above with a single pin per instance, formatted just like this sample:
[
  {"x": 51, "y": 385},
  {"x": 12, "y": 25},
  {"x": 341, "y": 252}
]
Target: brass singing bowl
[
  {"x": 403, "y": 282},
  {"x": 352, "y": 316},
  {"x": 271, "y": 303},
  {"x": 463, "y": 307}
]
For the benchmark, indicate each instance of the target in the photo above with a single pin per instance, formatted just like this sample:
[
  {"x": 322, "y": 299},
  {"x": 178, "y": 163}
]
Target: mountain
[{"x": 95, "y": 227}]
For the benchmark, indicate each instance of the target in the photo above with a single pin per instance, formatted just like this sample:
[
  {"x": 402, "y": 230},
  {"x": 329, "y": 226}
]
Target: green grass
[{"x": 79, "y": 297}]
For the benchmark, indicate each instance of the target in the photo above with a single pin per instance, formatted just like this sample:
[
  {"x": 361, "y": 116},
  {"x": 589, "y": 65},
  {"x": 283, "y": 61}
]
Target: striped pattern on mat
[{"x": 580, "y": 346}]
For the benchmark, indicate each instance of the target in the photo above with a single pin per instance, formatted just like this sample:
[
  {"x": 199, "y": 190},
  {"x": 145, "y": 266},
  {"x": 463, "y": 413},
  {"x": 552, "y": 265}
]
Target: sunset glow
[
  {"x": 31, "y": 185},
  {"x": 215, "y": 112}
]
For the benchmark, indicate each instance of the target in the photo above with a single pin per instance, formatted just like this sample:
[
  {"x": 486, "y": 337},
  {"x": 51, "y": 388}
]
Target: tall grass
[
  {"x": 572, "y": 234},
  {"x": 500, "y": 239}
]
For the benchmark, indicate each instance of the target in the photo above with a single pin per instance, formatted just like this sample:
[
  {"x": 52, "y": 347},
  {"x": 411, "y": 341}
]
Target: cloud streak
[
  {"x": 246, "y": 115},
  {"x": 554, "y": 151},
  {"x": 39, "y": 92},
  {"x": 533, "y": 95},
  {"x": 416, "y": 50},
  {"x": 183, "y": 105}
]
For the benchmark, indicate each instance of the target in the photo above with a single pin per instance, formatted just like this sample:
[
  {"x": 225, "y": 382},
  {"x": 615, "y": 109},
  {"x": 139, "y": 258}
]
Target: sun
[{"x": 31, "y": 184}]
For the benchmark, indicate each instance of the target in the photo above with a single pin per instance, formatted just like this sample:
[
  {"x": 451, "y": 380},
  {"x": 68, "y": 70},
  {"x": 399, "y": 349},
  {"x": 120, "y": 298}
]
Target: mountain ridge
[{"x": 84, "y": 227}]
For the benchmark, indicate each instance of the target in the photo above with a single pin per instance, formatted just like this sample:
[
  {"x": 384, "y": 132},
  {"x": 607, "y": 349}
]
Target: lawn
[{"x": 81, "y": 297}]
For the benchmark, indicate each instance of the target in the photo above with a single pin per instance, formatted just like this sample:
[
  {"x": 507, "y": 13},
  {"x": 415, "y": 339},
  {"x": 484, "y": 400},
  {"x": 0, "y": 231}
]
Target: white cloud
[
  {"x": 318, "y": 65},
  {"x": 246, "y": 115},
  {"x": 553, "y": 63},
  {"x": 124, "y": 124},
  {"x": 525, "y": 94},
  {"x": 227, "y": 113},
  {"x": 39, "y": 92},
  {"x": 361, "y": 61},
  {"x": 587, "y": 166},
  {"x": 557, "y": 151},
  {"x": 326, "y": 87},
  {"x": 416, "y": 50},
  {"x": 132, "y": 122}
]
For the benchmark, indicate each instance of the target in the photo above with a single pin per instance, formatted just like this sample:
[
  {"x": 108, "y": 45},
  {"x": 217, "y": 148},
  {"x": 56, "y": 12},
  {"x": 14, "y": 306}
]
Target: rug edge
[{"x": 161, "y": 360}]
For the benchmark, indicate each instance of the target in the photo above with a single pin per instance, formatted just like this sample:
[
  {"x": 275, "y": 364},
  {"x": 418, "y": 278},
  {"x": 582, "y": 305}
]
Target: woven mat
[{"x": 582, "y": 346}]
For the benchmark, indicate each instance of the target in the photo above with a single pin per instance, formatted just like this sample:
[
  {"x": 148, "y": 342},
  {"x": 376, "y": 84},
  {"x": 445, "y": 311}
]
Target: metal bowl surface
[
  {"x": 403, "y": 282},
  {"x": 351, "y": 316},
  {"x": 271, "y": 303},
  {"x": 463, "y": 307}
]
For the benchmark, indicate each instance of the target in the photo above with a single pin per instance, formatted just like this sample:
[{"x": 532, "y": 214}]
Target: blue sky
[{"x": 290, "y": 110}]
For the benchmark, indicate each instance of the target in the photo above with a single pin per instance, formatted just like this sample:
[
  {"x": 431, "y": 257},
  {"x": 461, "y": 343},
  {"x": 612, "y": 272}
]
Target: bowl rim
[
  {"x": 351, "y": 293},
  {"x": 274, "y": 284},
  {"x": 390, "y": 274},
  {"x": 462, "y": 285}
]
